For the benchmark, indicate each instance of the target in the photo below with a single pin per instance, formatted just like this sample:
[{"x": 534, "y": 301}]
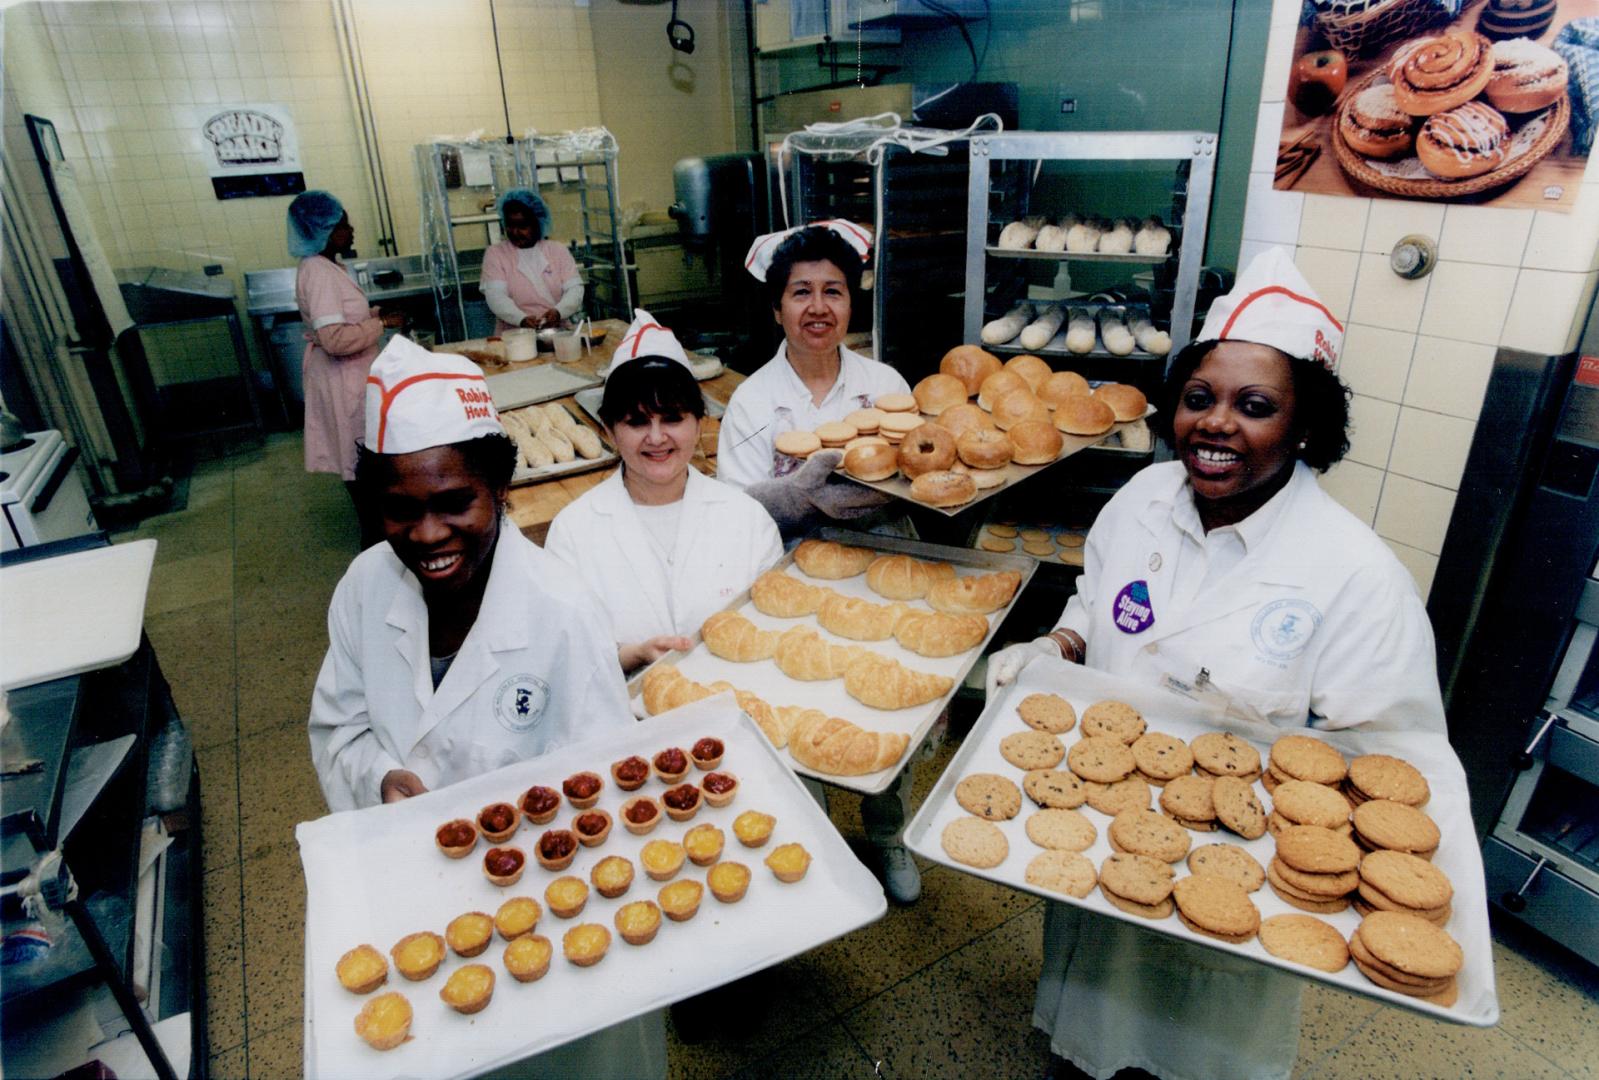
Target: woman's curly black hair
[
  {"x": 492, "y": 458},
  {"x": 814, "y": 243},
  {"x": 650, "y": 386},
  {"x": 1321, "y": 405}
]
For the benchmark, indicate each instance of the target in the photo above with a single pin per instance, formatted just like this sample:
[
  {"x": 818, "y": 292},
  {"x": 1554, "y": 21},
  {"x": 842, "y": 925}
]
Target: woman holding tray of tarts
[
  {"x": 1230, "y": 577},
  {"x": 661, "y": 545},
  {"x": 459, "y": 646}
]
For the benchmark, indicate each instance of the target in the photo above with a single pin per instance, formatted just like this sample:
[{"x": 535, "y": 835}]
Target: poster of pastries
[{"x": 1491, "y": 102}]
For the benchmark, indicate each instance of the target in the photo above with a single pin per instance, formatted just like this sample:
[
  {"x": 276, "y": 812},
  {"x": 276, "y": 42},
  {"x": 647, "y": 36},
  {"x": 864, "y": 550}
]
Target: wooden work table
[{"x": 534, "y": 506}]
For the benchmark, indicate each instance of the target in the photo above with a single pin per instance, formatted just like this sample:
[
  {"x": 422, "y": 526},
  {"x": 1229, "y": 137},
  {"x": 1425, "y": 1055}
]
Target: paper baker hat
[
  {"x": 759, "y": 259},
  {"x": 416, "y": 399},
  {"x": 647, "y": 337},
  {"x": 1272, "y": 304}
]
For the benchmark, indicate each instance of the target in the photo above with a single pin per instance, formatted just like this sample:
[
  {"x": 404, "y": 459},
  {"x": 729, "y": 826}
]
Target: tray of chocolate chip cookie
[{"x": 1342, "y": 856}]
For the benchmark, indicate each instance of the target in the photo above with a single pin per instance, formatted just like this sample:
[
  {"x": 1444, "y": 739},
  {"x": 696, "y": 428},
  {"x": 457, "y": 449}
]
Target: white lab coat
[
  {"x": 724, "y": 540},
  {"x": 537, "y": 670},
  {"x": 1318, "y": 624},
  {"x": 775, "y": 400}
]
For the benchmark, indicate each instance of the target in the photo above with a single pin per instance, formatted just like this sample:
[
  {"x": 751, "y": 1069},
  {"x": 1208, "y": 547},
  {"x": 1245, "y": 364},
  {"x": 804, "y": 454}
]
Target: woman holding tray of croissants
[
  {"x": 1229, "y": 577},
  {"x": 660, "y": 544},
  {"x": 458, "y": 646}
]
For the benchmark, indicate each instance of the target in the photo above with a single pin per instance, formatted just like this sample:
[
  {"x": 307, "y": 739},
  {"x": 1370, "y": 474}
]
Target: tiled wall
[{"x": 1418, "y": 353}]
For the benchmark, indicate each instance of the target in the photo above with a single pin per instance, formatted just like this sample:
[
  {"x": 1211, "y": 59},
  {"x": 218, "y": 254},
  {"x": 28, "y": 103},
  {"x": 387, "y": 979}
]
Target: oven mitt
[
  {"x": 1578, "y": 44},
  {"x": 796, "y": 500}
]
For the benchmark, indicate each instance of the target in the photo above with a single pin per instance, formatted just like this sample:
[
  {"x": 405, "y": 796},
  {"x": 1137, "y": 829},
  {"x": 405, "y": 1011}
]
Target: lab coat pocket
[{"x": 1264, "y": 708}]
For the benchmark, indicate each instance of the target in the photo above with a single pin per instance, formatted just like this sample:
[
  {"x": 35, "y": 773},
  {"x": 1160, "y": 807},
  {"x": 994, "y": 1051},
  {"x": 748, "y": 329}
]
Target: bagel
[
  {"x": 984, "y": 448},
  {"x": 1035, "y": 442},
  {"x": 929, "y": 448},
  {"x": 938, "y": 392},
  {"x": 943, "y": 488},
  {"x": 872, "y": 462},
  {"x": 970, "y": 364}
]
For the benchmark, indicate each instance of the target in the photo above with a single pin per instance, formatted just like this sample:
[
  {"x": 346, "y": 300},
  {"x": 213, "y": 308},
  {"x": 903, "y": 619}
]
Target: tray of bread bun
[
  {"x": 552, "y": 441},
  {"x": 1084, "y": 238},
  {"x": 1453, "y": 114},
  {"x": 470, "y": 927},
  {"x": 1072, "y": 328},
  {"x": 973, "y": 429},
  {"x": 1345, "y": 856},
  {"x": 847, "y": 650}
]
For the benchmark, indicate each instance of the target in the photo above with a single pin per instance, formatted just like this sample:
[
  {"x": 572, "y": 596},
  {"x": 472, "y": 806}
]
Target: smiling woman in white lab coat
[
  {"x": 1230, "y": 577},
  {"x": 661, "y": 545},
  {"x": 457, "y": 646}
]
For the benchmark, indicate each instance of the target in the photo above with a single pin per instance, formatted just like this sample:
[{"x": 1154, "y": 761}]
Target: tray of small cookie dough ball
[
  {"x": 1347, "y": 857},
  {"x": 765, "y": 878},
  {"x": 858, "y": 629}
]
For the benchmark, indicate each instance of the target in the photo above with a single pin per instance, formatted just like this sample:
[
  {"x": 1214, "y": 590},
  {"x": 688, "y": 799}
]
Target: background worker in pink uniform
[{"x": 527, "y": 279}]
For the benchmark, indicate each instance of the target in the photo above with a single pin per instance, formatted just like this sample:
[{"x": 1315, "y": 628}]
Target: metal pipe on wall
[{"x": 355, "y": 69}]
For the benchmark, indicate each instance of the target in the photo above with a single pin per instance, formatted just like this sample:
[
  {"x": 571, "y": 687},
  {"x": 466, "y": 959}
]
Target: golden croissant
[
  {"x": 665, "y": 688},
  {"x": 859, "y": 620},
  {"x": 789, "y": 717},
  {"x": 934, "y": 633},
  {"x": 977, "y": 594},
  {"x": 900, "y": 577},
  {"x": 783, "y": 596},
  {"x": 883, "y": 683},
  {"x": 802, "y": 653},
  {"x": 831, "y": 560},
  {"x": 765, "y": 717},
  {"x": 837, "y": 747},
  {"x": 733, "y": 637}
]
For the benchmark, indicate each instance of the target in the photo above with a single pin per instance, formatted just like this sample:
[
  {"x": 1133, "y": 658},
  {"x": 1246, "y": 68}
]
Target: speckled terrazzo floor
[{"x": 943, "y": 988}]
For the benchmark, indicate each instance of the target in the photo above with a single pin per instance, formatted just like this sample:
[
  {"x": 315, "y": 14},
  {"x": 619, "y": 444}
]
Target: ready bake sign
[
  {"x": 250, "y": 139},
  {"x": 1489, "y": 101}
]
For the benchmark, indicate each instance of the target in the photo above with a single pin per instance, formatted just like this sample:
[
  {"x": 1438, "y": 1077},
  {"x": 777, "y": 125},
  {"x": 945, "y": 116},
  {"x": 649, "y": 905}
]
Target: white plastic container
[{"x": 520, "y": 344}]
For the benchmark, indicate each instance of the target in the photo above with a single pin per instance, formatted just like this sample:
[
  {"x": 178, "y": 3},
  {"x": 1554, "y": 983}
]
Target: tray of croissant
[
  {"x": 846, "y": 652},
  {"x": 433, "y": 949}
]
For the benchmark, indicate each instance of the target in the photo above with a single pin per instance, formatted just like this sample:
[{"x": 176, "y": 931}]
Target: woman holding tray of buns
[
  {"x": 459, "y": 646},
  {"x": 1230, "y": 577},
  {"x": 660, "y": 544}
]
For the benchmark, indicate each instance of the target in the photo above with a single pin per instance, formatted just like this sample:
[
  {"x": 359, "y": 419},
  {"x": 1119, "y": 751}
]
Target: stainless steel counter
[{"x": 271, "y": 292}]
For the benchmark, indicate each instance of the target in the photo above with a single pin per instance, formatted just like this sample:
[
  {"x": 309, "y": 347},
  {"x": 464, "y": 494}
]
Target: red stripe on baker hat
[
  {"x": 387, "y": 396},
  {"x": 638, "y": 339},
  {"x": 1267, "y": 291}
]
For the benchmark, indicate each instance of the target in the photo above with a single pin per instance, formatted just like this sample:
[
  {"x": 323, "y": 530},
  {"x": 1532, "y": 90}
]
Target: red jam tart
[
  {"x": 707, "y": 753},
  {"x": 540, "y": 804},
  {"x": 556, "y": 849},
  {"x": 504, "y": 865},
  {"x": 671, "y": 765},
  {"x": 630, "y": 773},
  {"x": 640, "y": 814},
  {"x": 592, "y": 827},
  {"x": 719, "y": 787},
  {"x": 682, "y": 802},
  {"x": 456, "y": 838},
  {"x": 498, "y": 821},
  {"x": 582, "y": 789}
]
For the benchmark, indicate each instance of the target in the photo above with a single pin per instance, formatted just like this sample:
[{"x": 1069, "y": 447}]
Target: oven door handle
[{"x": 63, "y": 468}]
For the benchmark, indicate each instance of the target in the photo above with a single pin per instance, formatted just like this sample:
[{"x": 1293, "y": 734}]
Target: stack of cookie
[
  {"x": 1314, "y": 869},
  {"x": 1190, "y": 801},
  {"x": 1212, "y": 905},
  {"x": 1379, "y": 776},
  {"x": 1138, "y": 884},
  {"x": 1231, "y": 862},
  {"x": 1300, "y": 757},
  {"x": 1300, "y": 802},
  {"x": 1395, "y": 881},
  {"x": 1385, "y": 825},
  {"x": 1408, "y": 954}
]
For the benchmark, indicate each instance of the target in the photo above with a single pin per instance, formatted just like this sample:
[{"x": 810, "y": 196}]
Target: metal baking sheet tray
[
  {"x": 374, "y": 875},
  {"x": 607, "y": 458},
  {"x": 1076, "y": 256},
  {"x": 541, "y": 381},
  {"x": 1458, "y": 854},
  {"x": 73, "y": 613},
  {"x": 763, "y": 678},
  {"x": 900, "y": 488}
]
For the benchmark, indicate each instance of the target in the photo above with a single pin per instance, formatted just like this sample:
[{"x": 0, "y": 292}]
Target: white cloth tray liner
[
  {"x": 73, "y": 613},
  {"x": 764, "y": 679},
  {"x": 1458, "y": 854},
  {"x": 374, "y": 875}
]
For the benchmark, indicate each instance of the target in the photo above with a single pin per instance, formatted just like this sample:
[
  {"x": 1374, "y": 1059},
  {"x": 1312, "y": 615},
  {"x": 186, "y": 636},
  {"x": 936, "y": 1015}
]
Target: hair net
[
  {"x": 312, "y": 216},
  {"x": 528, "y": 200}
]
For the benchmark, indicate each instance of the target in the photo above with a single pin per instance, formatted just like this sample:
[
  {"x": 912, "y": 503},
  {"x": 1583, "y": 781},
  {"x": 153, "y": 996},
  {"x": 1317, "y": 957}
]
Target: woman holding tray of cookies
[
  {"x": 459, "y": 646},
  {"x": 1230, "y": 577},
  {"x": 661, "y": 545}
]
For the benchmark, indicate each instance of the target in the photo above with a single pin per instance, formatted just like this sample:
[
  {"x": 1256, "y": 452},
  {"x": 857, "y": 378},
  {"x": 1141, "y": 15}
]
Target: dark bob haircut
[
  {"x": 1321, "y": 405},
  {"x": 650, "y": 386},
  {"x": 814, "y": 243},
  {"x": 491, "y": 458}
]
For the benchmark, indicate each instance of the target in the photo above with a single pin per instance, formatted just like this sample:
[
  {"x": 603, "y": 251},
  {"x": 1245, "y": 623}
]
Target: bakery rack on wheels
[
  {"x": 1014, "y": 175},
  {"x": 460, "y": 181}
]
